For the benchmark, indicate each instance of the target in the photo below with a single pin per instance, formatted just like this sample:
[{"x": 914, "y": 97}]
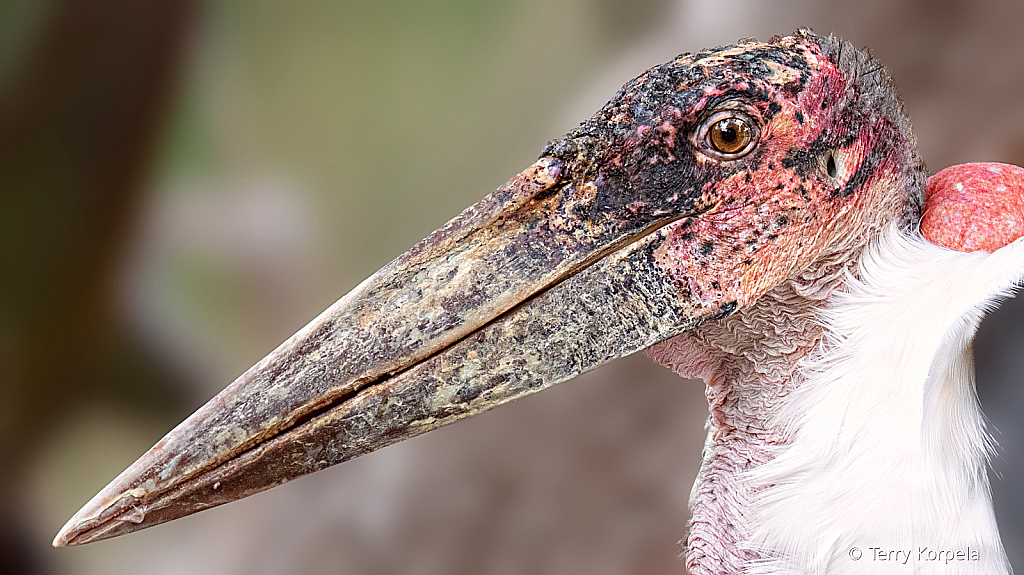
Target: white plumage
[{"x": 884, "y": 468}]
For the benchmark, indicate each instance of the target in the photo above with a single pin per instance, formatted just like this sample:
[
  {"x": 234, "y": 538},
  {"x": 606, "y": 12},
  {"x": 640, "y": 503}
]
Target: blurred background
[{"x": 186, "y": 183}]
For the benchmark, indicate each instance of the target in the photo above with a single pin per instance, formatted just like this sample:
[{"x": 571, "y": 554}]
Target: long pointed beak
[
  {"x": 629, "y": 230},
  {"x": 529, "y": 287}
]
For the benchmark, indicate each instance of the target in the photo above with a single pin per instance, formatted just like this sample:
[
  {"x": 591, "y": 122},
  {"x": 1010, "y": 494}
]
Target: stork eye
[{"x": 728, "y": 135}]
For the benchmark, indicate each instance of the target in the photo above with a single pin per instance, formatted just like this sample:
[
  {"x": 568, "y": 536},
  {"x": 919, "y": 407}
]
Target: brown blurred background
[{"x": 186, "y": 183}]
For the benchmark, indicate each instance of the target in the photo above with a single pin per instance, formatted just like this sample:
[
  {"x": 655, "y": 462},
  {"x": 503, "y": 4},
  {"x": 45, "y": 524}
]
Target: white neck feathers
[{"x": 885, "y": 446}]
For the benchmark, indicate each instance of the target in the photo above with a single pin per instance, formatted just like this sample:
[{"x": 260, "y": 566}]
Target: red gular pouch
[{"x": 973, "y": 207}]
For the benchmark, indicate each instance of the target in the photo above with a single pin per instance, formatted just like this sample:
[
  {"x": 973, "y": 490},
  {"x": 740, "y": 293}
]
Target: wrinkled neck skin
[
  {"x": 750, "y": 363},
  {"x": 843, "y": 414}
]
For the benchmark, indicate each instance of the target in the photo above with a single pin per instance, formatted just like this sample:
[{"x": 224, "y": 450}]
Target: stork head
[
  {"x": 704, "y": 183},
  {"x": 771, "y": 153}
]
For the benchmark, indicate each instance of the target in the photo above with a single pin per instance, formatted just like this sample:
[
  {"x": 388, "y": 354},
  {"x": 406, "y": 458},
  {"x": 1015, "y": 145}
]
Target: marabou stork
[{"x": 749, "y": 215}]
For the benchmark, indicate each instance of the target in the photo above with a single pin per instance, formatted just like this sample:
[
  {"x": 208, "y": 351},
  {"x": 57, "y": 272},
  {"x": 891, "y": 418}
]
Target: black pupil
[
  {"x": 729, "y": 133},
  {"x": 831, "y": 166}
]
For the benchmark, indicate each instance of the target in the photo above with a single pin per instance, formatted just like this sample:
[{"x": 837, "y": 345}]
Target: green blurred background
[{"x": 184, "y": 184}]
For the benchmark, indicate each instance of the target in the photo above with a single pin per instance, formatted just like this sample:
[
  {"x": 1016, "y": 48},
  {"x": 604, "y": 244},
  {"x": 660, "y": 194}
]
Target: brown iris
[{"x": 730, "y": 135}]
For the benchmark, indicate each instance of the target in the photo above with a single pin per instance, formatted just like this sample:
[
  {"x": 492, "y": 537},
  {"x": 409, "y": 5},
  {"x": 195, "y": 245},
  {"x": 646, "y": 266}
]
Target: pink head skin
[{"x": 973, "y": 207}]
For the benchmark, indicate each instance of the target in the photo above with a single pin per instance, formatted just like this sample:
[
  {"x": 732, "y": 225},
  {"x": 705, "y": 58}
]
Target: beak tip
[
  {"x": 67, "y": 534},
  {"x": 79, "y": 532},
  {"x": 87, "y": 525},
  {"x": 75, "y": 532}
]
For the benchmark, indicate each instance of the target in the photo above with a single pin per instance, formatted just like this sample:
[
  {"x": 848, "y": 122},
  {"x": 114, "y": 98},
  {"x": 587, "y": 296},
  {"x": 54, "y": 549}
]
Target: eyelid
[{"x": 728, "y": 103}]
